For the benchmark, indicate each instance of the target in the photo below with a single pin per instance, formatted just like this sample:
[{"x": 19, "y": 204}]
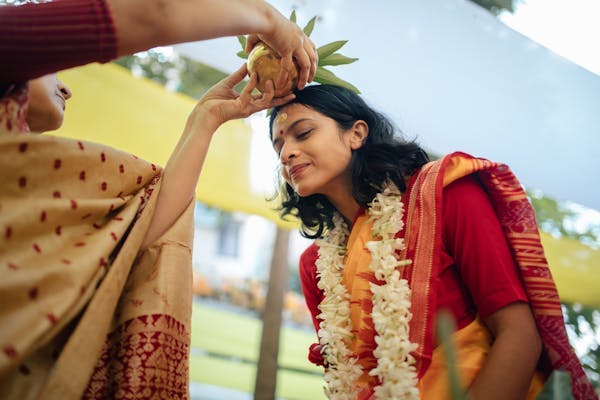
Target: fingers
[
  {"x": 268, "y": 94},
  {"x": 250, "y": 42},
  {"x": 286, "y": 66},
  {"x": 304, "y": 63},
  {"x": 282, "y": 100},
  {"x": 314, "y": 60},
  {"x": 237, "y": 76},
  {"x": 247, "y": 91},
  {"x": 266, "y": 100}
]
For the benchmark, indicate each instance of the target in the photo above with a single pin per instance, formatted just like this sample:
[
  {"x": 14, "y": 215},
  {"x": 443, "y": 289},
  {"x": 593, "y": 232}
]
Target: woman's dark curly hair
[{"x": 382, "y": 157}]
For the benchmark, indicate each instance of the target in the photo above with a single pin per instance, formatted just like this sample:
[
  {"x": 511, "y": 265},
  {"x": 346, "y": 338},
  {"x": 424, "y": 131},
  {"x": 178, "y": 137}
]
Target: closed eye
[{"x": 303, "y": 135}]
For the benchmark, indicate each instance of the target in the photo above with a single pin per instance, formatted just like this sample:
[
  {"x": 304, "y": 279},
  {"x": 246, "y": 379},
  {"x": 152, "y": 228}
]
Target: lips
[
  {"x": 62, "y": 100},
  {"x": 297, "y": 170}
]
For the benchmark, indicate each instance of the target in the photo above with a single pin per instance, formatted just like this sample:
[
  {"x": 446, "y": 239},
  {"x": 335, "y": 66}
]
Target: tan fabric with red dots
[{"x": 82, "y": 312}]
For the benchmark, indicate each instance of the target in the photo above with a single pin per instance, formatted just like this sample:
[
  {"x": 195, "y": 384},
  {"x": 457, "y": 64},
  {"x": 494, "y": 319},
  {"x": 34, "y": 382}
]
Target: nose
[
  {"x": 288, "y": 152},
  {"x": 64, "y": 90}
]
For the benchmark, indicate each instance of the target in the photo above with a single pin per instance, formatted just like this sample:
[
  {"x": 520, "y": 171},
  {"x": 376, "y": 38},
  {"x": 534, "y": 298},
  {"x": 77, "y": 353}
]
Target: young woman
[{"x": 399, "y": 239}]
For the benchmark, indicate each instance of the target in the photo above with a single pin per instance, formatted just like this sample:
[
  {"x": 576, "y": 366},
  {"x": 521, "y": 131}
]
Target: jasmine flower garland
[{"x": 391, "y": 306}]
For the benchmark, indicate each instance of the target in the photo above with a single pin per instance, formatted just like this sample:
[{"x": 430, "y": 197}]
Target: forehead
[{"x": 290, "y": 114}]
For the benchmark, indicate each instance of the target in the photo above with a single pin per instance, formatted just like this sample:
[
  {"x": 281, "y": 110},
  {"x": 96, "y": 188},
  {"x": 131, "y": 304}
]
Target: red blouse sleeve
[
  {"x": 474, "y": 238},
  {"x": 308, "y": 280},
  {"x": 38, "y": 39}
]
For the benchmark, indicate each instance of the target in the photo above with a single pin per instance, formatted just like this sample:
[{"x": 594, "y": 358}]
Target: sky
[{"x": 569, "y": 28}]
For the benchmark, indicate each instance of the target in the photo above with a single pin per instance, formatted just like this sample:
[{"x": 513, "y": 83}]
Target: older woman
[{"x": 95, "y": 299}]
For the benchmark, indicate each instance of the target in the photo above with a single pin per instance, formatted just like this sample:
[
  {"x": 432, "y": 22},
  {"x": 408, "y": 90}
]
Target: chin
[{"x": 304, "y": 190}]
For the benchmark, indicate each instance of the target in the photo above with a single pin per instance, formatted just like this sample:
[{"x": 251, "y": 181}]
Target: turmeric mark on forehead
[{"x": 281, "y": 117}]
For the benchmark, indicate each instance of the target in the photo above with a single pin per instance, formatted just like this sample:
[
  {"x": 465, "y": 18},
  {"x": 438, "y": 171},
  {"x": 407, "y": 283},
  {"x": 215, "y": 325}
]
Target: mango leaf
[
  {"x": 330, "y": 48},
  {"x": 242, "y": 40},
  {"x": 310, "y": 26},
  {"x": 557, "y": 387},
  {"x": 242, "y": 54},
  {"x": 327, "y": 77},
  {"x": 293, "y": 16},
  {"x": 336, "y": 59}
]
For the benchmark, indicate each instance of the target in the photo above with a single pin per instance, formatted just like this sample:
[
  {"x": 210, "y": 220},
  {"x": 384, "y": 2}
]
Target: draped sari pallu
[
  {"x": 423, "y": 238},
  {"x": 84, "y": 312}
]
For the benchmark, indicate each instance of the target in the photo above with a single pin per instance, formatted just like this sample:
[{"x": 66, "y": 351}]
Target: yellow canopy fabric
[
  {"x": 137, "y": 115},
  {"x": 111, "y": 106}
]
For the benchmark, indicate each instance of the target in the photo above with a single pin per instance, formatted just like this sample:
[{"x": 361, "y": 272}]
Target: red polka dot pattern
[
  {"x": 74, "y": 221},
  {"x": 10, "y": 351},
  {"x": 52, "y": 318}
]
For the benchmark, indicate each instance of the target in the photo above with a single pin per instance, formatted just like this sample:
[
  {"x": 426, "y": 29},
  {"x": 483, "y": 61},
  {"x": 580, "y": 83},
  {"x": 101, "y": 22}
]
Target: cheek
[{"x": 286, "y": 177}]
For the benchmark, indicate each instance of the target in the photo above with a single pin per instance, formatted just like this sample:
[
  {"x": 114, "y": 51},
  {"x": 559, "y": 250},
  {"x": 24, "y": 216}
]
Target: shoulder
[{"x": 309, "y": 256}]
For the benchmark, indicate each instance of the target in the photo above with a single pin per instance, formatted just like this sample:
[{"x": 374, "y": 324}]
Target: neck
[{"x": 344, "y": 203}]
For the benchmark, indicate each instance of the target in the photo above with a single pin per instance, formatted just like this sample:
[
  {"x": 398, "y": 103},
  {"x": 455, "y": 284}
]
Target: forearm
[
  {"x": 180, "y": 175},
  {"x": 39, "y": 39},
  {"x": 151, "y": 23}
]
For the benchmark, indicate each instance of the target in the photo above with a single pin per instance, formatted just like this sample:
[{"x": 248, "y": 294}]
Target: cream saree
[{"x": 84, "y": 312}]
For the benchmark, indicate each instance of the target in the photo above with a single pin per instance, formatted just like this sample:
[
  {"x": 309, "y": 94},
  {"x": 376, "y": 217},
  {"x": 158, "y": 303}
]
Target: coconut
[{"x": 266, "y": 63}]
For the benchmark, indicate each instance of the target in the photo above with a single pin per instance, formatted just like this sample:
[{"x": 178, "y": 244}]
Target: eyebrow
[{"x": 296, "y": 122}]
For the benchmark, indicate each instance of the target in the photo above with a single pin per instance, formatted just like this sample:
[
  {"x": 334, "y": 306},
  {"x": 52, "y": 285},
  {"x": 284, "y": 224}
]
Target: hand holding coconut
[
  {"x": 287, "y": 64},
  {"x": 291, "y": 62},
  {"x": 222, "y": 103}
]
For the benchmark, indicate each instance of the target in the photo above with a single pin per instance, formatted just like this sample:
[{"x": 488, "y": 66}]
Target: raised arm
[
  {"x": 164, "y": 22},
  {"x": 180, "y": 176},
  {"x": 38, "y": 39}
]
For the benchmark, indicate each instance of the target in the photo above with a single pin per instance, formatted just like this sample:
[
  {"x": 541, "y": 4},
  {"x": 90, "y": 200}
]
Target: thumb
[{"x": 251, "y": 42}]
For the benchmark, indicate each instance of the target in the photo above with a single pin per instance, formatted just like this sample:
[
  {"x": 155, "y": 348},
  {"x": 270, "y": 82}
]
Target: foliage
[
  {"x": 497, "y": 6},
  {"x": 177, "y": 72},
  {"x": 583, "y": 322},
  {"x": 558, "y": 219},
  {"x": 557, "y": 387}
]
